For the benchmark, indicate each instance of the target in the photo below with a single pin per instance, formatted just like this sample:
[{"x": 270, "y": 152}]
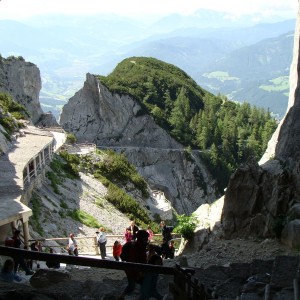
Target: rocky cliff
[
  {"x": 264, "y": 199},
  {"x": 22, "y": 81},
  {"x": 96, "y": 115}
]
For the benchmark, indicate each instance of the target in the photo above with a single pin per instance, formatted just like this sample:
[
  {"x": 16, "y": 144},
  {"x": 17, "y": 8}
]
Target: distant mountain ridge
[{"x": 66, "y": 48}]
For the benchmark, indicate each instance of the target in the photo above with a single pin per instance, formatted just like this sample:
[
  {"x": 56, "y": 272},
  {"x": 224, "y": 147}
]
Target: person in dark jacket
[
  {"x": 133, "y": 228},
  {"x": 166, "y": 231},
  {"x": 134, "y": 251},
  {"x": 19, "y": 260}
]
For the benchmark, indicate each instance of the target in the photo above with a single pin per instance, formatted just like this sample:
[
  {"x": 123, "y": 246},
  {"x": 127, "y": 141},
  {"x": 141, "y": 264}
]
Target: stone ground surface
[{"x": 94, "y": 283}]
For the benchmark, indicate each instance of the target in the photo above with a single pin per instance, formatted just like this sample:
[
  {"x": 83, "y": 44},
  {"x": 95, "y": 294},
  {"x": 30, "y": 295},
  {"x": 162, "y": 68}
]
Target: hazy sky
[{"x": 20, "y": 9}]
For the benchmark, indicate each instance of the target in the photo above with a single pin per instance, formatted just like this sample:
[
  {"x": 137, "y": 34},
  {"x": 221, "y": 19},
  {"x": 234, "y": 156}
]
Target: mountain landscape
[
  {"x": 159, "y": 132},
  {"x": 213, "y": 48}
]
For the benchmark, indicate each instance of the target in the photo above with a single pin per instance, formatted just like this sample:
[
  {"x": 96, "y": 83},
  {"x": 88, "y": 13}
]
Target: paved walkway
[{"x": 11, "y": 172}]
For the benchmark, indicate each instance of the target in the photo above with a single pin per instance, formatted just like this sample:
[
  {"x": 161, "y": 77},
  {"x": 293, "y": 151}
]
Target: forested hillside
[{"x": 228, "y": 133}]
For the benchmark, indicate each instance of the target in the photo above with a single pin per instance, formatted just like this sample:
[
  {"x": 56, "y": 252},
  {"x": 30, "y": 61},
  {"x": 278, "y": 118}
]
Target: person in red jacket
[{"x": 117, "y": 250}]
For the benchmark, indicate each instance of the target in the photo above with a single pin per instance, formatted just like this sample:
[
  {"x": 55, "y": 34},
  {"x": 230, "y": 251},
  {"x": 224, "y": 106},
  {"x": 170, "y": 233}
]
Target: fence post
[{"x": 96, "y": 246}]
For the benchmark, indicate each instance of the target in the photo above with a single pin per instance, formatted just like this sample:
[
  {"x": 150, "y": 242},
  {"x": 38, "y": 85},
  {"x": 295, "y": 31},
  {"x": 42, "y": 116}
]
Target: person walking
[
  {"x": 117, "y": 250},
  {"x": 128, "y": 235},
  {"x": 134, "y": 251},
  {"x": 19, "y": 260},
  {"x": 101, "y": 239},
  {"x": 166, "y": 231},
  {"x": 151, "y": 234},
  {"x": 72, "y": 246},
  {"x": 133, "y": 228}
]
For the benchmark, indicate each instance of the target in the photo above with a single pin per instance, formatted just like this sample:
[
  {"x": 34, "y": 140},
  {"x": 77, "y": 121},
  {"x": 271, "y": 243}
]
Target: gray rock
[{"x": 44, "y": 278}]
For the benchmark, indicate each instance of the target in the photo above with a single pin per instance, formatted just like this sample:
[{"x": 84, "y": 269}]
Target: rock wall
[
  {"x": 22, "y": 80},
  {"x": 181, "y": 176},
  {"x": 264, "y": 200},
  {"x": 96, "y": 115}
]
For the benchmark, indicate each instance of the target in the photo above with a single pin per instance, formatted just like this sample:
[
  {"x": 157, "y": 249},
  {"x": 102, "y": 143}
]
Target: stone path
[{"x": 12, "y": 164}]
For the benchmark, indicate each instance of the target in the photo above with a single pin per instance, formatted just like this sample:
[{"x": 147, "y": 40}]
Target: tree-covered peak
[
  {"x": 153, "y": 83},
  {"x": 228, "y": 133}
]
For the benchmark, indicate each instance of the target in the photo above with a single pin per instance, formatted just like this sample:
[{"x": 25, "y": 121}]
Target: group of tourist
[{"x": 138, "y": 247}]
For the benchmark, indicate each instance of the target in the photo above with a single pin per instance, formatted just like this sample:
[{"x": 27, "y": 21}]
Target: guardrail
[
  {"x": 36, "y": 163},
  {"x": 87, "y": 245},
  {"x": 184, "y": 287}
]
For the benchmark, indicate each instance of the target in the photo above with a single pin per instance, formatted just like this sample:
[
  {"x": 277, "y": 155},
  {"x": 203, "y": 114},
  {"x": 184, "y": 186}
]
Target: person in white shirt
[
  {"x": 101, "y": 238},
  {"x": 72, "y": 246}
]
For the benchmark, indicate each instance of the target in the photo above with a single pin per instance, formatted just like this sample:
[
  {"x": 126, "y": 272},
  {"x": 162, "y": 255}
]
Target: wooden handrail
[
  {"x": 84, "y": 261},
  {"x": 183, "y": 287}
]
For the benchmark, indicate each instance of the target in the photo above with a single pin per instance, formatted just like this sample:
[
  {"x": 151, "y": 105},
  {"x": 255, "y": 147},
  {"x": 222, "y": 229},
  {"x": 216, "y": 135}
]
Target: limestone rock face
[
  {"x": 96, "y": 115},
  {"x": 264, "y": 200},
  {"x": 181, "y": 176},
  {"x": 259, "y": 198},
  {"x": 22, "y": 81}
]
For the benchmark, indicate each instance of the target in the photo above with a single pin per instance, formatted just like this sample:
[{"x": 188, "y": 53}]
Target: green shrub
[
  {"x": 35, "y": 202},
  {"x": 71, "y": 139},
  {"x": 84, "y": 218},
  {"x": 186, "y": 226},
  {"x": 55, "y": 181}
]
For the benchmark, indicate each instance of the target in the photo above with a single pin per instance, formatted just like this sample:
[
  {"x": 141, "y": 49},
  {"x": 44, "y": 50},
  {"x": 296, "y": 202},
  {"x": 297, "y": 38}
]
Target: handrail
[
  {"x": 110, "y": 238},
  {"x": 84, "y": 261},
  {"x": 183, "y": 287}
]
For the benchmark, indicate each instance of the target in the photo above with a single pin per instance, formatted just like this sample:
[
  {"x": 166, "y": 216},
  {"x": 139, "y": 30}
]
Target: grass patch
[
  {"x": 84, "y": 218},
  {"x": 220, "y": 75},
  {"x": 278, "y": 84},
  {"x": 36, "y": 212},
  {"x": 55, "y": 181}
]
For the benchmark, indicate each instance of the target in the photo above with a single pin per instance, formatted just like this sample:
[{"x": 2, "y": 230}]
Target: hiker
[
  {"x": 166, "y": 231},
  {"x": 7, "y": 272},
  {"x": 128, "y": 235},
  {"x": 171, "y": 251},
  {"x": 151, "y": 250},
  {"x": 19, "y": 260},
  {"x": 36, "y": 246},
  {"x": 52, "y": 264},
  {"x": 101, "y": 239},
  {"x": 164, "y": 248},
  {"x": 148, "y": 287},
  {"x": 133, "y": 228},
  {"x": 151, "y": 234},
  {"x": 72, "y": 246},
  {"x": 134, "y": 251},
  {"x": 117, "y": 250}
]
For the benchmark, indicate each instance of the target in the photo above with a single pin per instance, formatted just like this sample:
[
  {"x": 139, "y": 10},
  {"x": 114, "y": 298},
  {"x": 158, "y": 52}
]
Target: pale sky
[{"x": 20, "y": 9}]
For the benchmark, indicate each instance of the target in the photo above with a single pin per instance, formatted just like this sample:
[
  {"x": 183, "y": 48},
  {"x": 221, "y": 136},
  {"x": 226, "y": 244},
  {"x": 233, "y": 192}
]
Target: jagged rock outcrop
[
  {"x": 94, "y": 114},
  {"x": 182, "y": 177},
  {"x": 261, "y": 200},
  {"x": 22, "y": 81}
]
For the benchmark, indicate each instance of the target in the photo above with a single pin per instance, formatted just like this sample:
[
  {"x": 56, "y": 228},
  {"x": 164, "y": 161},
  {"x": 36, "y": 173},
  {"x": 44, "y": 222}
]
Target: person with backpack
[{"x": 134, "y": 251}]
